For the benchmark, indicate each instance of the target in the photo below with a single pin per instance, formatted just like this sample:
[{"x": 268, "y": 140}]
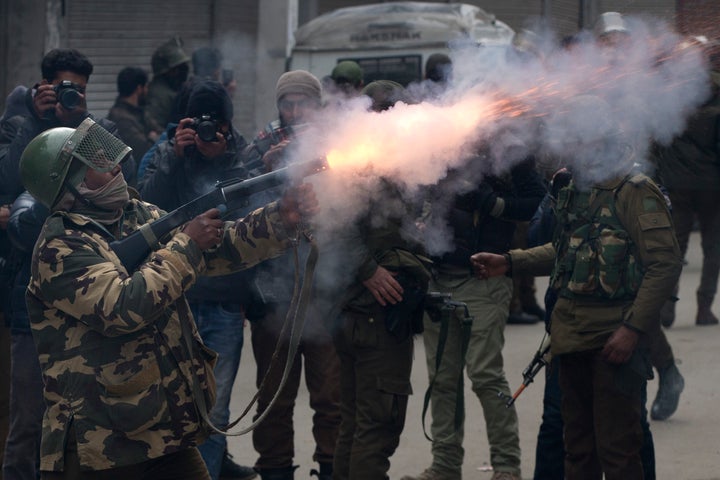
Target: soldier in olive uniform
[
  {"x": 614, "y": 261},
  {"x": 381, "y": 310},
  {"x": 122, "y": 379}
]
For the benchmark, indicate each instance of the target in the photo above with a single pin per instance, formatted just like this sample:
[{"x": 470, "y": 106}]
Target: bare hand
[
  {"x": 620, "y": 346},
  {"x": 206, "y": 229},
  {"x": 297, "y": 202},
  {"x": 488, "y": 265},
  {"x": 184, "y": 137},
  {"x": 384, "y": 287},
  {"x": 45, "y": 99},
  {"x": 273, "y": 157}
]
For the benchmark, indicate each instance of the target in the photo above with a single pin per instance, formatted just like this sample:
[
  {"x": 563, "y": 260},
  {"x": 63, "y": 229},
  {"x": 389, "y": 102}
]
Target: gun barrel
[{"x": 273, "y": 179}]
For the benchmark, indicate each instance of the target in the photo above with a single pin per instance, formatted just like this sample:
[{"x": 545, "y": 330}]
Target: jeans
[
  {"x": 221, "y": 328},
  {"x": 27, "y": 407}
]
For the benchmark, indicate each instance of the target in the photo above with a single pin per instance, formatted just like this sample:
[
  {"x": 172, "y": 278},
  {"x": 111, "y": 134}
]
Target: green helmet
[
  {"x": 168, "y": 55},
  {"x": 47, "y": 163}
]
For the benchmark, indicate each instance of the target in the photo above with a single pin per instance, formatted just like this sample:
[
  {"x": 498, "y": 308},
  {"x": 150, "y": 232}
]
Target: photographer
[
  {"x": 201, "y": 150},
  {"x": 57, "y": 101}
]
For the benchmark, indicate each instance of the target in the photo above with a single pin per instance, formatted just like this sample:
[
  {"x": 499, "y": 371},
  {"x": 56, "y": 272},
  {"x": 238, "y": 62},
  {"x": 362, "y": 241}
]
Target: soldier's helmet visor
[{"x": 96, "y": 147}]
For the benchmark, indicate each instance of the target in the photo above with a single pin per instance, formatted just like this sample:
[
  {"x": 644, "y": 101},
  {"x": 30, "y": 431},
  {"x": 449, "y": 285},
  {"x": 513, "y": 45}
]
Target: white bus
[{"x": 392, "y": 40}]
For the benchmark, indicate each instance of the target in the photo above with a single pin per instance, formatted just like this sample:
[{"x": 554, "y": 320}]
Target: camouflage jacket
[
  {"x": 110, "y": 344},
  {"x": 585, "y": 323}
]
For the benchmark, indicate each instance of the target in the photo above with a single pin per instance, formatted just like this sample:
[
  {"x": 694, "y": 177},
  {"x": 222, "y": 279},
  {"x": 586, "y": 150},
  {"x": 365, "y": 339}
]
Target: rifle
[
  {"x": 226, "y": 196},
  {"x": 539, "y": 360}
]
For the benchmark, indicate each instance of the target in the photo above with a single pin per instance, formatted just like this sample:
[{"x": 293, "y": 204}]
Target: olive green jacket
[
  {"x": 580, "y": 324},
  {"x": 110, "y": 343}
]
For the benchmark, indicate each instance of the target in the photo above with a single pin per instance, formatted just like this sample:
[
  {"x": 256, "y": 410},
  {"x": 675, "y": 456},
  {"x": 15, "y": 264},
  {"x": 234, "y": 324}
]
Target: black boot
[
  {"x": 671, "y": 385},
  {"x": 325, "y": 472},
  {"x": 230, "y": 469},
  {"x": 283, "y": 473}
]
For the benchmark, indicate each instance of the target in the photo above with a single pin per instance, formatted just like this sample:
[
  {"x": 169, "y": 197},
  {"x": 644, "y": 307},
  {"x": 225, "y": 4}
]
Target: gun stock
[{"x": 134, "y": 248}]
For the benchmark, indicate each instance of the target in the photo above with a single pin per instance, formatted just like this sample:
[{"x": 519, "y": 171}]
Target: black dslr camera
[
  {"x": 68, "y": 94},
  {"x": 206, "y": 128}
]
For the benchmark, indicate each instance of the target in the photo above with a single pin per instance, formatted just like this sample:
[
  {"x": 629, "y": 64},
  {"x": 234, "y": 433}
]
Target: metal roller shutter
[{"x": 116, "y": 34}]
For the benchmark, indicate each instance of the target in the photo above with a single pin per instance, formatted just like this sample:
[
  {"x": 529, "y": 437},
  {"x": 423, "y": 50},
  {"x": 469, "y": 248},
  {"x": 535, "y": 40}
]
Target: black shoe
[
  {"x": 535, "y": 310},
  {"x": 230, "y": 469},
  {"x": 667, "y": 314},
  {"x": 282, "y": 473},
  {"x": 705, "y": 317},
  {"x": 671, "y": 385},
  {"x": 522, "y": 318},
  {"x": 325, "y": 472}
]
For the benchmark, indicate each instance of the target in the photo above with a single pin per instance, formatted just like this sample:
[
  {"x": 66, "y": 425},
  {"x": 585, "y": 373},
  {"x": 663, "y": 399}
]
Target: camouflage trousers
[{"x": 185, "y": 464}]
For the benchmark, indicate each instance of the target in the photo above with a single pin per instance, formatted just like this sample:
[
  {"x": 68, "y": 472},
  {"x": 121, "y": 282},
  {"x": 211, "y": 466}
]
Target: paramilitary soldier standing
[
  {"x": 122, "y": 363},
  {"x": 614, "y": 261}
]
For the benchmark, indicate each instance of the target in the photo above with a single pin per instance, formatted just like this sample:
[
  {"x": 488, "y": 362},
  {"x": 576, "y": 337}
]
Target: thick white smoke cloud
[{"x": 510, "y": 106}]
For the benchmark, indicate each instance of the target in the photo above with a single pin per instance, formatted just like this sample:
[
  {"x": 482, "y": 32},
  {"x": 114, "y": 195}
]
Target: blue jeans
[
  {"x": 221, "y": 328},
  {"x": 27, "y": 407}
]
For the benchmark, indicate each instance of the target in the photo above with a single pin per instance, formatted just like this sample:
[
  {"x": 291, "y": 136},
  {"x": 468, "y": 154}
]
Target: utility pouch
[
  {"x": 630, "y": 376},
  {"x": 405, "y": 318}
]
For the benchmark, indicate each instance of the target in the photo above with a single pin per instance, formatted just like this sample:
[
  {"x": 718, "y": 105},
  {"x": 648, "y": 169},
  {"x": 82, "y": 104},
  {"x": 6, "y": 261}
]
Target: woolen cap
[{"x": 298, "y": 81}]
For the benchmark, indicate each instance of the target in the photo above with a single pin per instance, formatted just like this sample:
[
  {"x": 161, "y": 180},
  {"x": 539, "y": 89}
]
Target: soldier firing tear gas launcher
[{"x": 226, "y": 196}]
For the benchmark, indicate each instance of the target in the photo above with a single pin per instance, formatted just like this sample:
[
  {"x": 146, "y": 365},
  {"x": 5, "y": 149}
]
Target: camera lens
[
  {"x": 206, "y": 131},
  {"x": 69, "y": 99}
]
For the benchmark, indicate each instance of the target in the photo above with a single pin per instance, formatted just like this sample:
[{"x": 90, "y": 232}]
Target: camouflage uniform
[
  {"x": 114, "y": 362},
  {"x": 616, "y": 264}
]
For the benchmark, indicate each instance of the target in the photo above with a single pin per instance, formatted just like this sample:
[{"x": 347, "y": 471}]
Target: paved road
[{"x": 687, "y": 446}]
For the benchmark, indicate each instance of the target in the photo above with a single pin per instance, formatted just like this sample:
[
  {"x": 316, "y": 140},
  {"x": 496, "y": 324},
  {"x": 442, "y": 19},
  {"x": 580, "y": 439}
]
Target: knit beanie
[
  {"x": 298, "y": 81},
  {"x": 209, "y": 97}
]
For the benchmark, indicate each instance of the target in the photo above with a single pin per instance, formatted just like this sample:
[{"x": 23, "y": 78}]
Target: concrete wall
[{"x": 23, "y": 33}]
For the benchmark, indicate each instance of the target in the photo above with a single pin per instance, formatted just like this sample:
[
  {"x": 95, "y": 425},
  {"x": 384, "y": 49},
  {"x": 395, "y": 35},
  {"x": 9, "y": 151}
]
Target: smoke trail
[{"x": 502, "y": 103}]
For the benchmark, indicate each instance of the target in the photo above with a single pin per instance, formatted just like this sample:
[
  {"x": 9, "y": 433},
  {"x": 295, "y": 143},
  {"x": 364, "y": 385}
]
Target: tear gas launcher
[{"x": 227, "y": 196}]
